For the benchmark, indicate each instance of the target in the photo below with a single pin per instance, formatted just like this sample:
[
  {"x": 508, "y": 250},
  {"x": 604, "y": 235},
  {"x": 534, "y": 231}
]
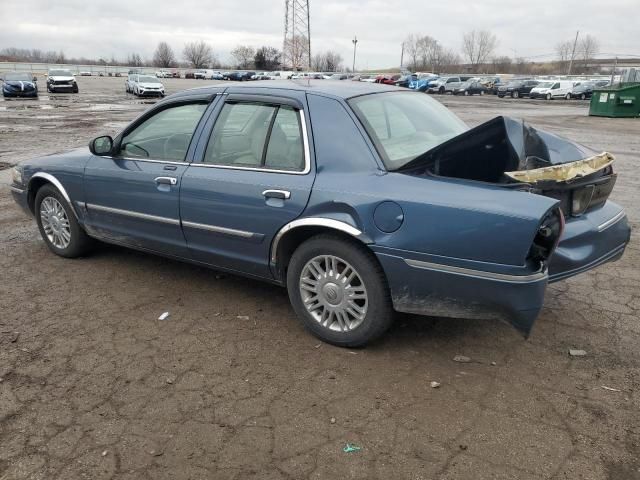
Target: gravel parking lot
[{"x": 94, "y": 386}]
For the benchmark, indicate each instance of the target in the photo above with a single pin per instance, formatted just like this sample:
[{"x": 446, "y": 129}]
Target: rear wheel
[
  {"x": 441, "y": 90},
  {"x": 583, "y": 97},
  {"x": 567, "y": 96},
  {"x": 481, "y": 92},
  {"x": 339, "y": 291},
  {"x": 466, "y": 93},
  {"x": 58, "y": 225}
]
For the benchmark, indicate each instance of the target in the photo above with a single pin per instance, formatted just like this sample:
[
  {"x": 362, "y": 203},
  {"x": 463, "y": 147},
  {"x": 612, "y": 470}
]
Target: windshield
[
  {"x": 60, "y": 73},
  {"x": 148, "y": 79},
  {"x": 18, "y": 77},
  {"x": 514, "y": 84},
  {"x": 404, "y": 125},
  {"x": 545, "y": 85}
]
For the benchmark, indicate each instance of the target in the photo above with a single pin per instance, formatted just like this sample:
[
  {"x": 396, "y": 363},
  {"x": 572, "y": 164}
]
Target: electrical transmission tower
[{"x": 296, "y": 48}]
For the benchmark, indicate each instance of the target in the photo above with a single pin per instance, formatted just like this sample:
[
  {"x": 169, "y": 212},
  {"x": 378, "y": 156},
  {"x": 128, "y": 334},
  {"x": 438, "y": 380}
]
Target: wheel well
[
  {"x": 34, "y": 186},
  {"x": 293, "y": 239}
]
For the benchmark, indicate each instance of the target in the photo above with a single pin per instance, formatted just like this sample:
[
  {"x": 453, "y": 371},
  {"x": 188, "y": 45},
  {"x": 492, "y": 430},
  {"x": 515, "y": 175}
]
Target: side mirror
[
  {"x": 35, "y": 79},
  {"x": 101, "y": 146}
]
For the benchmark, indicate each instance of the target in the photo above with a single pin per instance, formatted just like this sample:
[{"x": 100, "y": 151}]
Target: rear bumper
[
  {"x": 594, "y": 238},
  {"x": 425, "y": 288}
]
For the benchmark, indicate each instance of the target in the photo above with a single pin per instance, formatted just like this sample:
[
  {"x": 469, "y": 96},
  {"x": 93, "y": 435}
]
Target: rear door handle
[
  {"x": 281, "y": 194},
  {"x": 166, "y": 180}
]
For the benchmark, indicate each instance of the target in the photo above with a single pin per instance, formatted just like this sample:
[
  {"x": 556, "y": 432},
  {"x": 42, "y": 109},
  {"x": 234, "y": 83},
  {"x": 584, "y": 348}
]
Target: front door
[
  {"x": 254, "y": 176},
  {"x": 133, "y": 197}
]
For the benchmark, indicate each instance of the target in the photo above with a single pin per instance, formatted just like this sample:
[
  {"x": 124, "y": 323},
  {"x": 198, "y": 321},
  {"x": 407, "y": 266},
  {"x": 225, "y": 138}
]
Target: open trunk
[{"x": 509, "y": 152}]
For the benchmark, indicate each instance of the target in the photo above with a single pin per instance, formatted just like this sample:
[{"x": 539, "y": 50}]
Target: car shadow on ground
[{"x": 407, "y": 330}]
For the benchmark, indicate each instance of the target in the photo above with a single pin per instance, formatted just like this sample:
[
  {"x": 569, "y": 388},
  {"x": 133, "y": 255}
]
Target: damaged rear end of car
[{"x": 514, "y": 155}]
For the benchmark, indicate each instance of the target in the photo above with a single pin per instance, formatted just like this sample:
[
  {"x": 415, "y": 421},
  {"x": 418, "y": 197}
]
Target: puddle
[
  {"x": 101, "y": 107},
  {"x": 115, "y": 125},
  {"x": 36, "y": 106}
]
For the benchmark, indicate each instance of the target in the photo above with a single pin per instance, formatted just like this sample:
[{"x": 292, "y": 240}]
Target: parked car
[
  {"x": 234, "y": 182},
  {"x": 405, "y": 80},
  {"x": 240, "y": 76},
  {"x": 163, "y": 74},
  {"x": 444, "y": 85},
  {"x": 491, "y": 84},
  {"x": 85, "y": 73},
  {"x": 552, "y": 89},
  {"x": 281, "y": 75},
  {"x": 189, "y": 74},
  {"x": 584, "y": 90},
  {"x": 130, "y": 82},
  {"x": 517, "y": 88},
  {"x": 19, "y": 84},
  {"x": 175, "y": 74},
  {"x": 61, "y": 80},
  {"x": 470, "y": 87},
  {"x": 147, "y": 86},
  {"x": 338, "y": 76},
  {"x": 422, "y": 82},
  {"x": 261, "y": 76}
]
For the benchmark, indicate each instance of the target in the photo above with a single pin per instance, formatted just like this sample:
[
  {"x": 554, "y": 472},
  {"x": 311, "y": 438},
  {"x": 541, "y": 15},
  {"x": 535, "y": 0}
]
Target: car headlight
[{"x": 16, "y": 175}]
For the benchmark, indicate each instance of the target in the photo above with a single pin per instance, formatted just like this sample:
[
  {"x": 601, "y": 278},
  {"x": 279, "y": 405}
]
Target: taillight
[
  {"x": 548, "y": 235},
  {"x": 581, "y": 199}
]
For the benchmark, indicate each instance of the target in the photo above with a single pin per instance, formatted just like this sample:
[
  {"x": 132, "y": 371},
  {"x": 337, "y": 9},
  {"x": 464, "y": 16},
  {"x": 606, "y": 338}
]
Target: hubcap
[
  {"x": 333, "y": 293},
  {"x": 55, "y": 222}
]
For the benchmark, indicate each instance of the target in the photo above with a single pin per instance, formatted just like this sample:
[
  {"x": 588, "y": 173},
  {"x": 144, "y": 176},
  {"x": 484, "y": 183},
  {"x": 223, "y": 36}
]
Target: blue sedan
[
  {"x": 19, "y": 84},
  {"x": 360, "y": 199}
]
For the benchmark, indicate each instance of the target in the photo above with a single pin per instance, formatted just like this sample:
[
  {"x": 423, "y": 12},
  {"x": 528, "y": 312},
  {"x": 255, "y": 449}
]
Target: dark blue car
[
  {"x": 19, "y": 84},
  {"x": 361, "y": 199}
]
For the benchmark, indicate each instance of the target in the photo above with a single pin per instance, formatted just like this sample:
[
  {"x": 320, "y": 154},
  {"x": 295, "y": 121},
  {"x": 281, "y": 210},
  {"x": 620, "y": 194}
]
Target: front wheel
[
  {"x": 58, "y": 225},
  {"x": 515, "y": 94},
  {"x": 583, "y": 97},
  {"x": 548, "y": 96},
  {"x": 339, "y": 291},
  {"x": 567, "y": 96}
]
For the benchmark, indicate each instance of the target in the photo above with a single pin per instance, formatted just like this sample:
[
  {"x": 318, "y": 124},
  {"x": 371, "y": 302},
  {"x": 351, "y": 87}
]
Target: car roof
[{"x": 342, "y": 90}]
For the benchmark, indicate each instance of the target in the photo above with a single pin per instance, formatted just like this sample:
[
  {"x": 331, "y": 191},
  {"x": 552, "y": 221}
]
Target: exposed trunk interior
[{"x": 503, "y": 144}]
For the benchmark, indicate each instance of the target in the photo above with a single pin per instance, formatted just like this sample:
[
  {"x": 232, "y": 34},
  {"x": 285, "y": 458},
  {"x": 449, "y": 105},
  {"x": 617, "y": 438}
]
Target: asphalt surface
[{"x": 229, "y": 386}]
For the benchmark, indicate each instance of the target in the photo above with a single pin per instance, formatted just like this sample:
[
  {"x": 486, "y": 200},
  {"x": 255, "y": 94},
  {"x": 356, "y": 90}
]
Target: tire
[
  {"x": 567, "y": 96},
  {"x": 375, "y": 309},
  {"x": 441, "y": 90},
  {"x": 76, "y": 89},
  {"x": 466, "y": 93},
  {"x": 481, "y": 92},
  {"x": 79, "y": 242},
  {"x": 515, "y": 94},
  {"x": 583, "y": 97},
  {"x": 548, "y": 97}
]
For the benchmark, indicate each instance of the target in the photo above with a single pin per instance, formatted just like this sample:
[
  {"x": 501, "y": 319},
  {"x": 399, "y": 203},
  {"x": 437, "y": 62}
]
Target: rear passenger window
[
  {"x": 254, "y": 135},
  {"x": 284, "y": 151}
]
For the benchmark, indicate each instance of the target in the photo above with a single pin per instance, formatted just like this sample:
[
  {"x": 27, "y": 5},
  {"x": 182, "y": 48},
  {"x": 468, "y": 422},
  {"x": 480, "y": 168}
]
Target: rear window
[{"x": 404, "y": 125}]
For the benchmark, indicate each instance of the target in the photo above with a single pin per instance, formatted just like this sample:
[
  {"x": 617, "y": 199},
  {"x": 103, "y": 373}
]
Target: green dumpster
[{"x": 622, "y": 101}]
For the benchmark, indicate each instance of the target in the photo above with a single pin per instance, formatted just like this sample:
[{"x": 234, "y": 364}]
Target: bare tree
[
  {"x": 563, "y": 51},
  {"x": 243, "y": 55},
  {"x": 295, "y": 52},
  {"x": 477, "y": 46},
  {"x": 327, "y": 62},
  {"x": 163, "y": 56},
  {"x": 411, "y": 46},
  {"x": 135, "y": 60},
  {"x": 588, "y": 48},
  {"x": 197, "y": 54}
]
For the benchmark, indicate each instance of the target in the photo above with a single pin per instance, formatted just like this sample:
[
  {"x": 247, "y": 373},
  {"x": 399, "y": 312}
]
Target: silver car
[{"x": 147, "y": 86}]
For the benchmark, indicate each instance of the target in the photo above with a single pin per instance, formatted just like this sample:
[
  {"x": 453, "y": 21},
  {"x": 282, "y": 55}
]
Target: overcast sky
[{"x": 100, "y": 28}]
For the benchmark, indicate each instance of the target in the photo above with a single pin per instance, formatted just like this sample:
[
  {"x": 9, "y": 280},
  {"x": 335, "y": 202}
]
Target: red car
[{"x": 387, "y": 79}]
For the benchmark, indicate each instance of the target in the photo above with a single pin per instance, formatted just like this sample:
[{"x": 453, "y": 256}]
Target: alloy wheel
[
  {"x": 333, "y": 293},
  {"x": 55, "y": 223}
]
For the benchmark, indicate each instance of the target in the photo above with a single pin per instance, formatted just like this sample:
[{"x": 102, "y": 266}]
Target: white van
[{"x": 553, "y": 89}]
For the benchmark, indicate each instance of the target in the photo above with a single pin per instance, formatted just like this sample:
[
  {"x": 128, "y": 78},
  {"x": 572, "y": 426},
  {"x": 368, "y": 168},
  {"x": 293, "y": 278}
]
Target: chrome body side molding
[
  {"x": 130, "y": 213},
  {"x": 501, "y": 277},
  {"x": 56, "y": 183}
]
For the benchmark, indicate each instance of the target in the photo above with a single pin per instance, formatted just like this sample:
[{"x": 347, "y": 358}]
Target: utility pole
[
  {"x": 402, "y": 56},
  {"x": 573, "y": 53},
  {"x": 355, "y": 43},
  {"x": 613, "y": 72}
]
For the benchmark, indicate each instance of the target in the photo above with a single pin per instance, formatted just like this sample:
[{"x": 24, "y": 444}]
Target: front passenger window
[{"x": 164, "y": 136}]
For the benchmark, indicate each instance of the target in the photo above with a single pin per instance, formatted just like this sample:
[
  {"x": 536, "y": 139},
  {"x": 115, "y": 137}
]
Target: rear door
[
  {"x": 253, "y": 175},
  {"x": 132, "y": 197}
]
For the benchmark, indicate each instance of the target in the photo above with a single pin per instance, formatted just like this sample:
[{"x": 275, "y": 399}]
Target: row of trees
[{"x": 478, "y": 47}]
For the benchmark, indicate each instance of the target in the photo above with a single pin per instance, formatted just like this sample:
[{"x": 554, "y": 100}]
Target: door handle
[
  {"x": 166, "y": 180},
  {"x": 281, "y": 194}
]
